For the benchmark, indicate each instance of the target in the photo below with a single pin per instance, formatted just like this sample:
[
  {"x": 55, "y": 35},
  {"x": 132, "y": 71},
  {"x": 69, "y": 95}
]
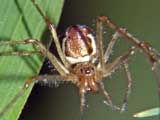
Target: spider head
[
  {"x": 88, "y": 76},
  {"x": 79, "y": 44}
]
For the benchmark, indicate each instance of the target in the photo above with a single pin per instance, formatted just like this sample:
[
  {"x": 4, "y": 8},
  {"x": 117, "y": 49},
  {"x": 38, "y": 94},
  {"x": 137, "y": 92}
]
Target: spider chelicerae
[{"x": 83, "y": 61}]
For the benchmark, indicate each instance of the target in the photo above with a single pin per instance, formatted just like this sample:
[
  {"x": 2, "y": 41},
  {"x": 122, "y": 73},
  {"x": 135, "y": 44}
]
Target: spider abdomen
[{"x": 78, "y": 44}]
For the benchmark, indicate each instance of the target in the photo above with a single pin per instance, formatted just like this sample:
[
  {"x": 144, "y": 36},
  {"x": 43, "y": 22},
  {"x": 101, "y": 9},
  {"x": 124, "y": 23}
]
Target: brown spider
[{"x": 83, "y": 60}]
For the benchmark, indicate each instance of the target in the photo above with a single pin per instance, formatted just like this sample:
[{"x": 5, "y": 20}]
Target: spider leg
[
  {"x": 147, "y": 50},
  {"x": 16, "y": 97},
  {"x": 110, "y": 68},
  {"x": 42, "y": 50},
  {"x": 108, "y": 51},
  {"x": 46, "y": 79},
  {"x": 16, "y": 53},
  {"x": 99, "y": 42},
  {"x": 104, "y": 56},
  {"x": 157, "y": 75},
  {"x": 13, "y": 53},
  {"x": 106, "y": 94},
  {"x": 145, "y": 47},
  {"x": 113, "y": 66},
  {"x": 52, "y": 29},
  {"x": 108, "y": 97},
  {"x": 129, "y": 86},
  {"x": 82, "y": 101}
]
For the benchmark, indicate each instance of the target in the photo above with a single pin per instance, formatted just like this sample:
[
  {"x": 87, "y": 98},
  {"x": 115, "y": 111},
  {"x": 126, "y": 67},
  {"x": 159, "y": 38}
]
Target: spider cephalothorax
[{"x": 88, "y": 77}]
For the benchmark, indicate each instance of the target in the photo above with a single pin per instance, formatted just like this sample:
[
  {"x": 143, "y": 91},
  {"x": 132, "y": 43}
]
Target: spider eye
[
  {"x": 87, "y": 70},
  {"x": 79, "y": 44}
]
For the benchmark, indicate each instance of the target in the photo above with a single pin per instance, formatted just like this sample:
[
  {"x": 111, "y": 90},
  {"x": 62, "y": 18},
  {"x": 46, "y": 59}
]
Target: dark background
[{"x": 141, "y": 18}]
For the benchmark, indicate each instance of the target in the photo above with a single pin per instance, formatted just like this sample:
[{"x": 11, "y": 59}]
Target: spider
[{"x": 83, "y": 61}]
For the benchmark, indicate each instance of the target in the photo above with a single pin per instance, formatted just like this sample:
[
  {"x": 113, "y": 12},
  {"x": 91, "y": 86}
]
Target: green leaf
[
  {"x": 148, "y": 113},
  {"x": 20, "y": 20}
]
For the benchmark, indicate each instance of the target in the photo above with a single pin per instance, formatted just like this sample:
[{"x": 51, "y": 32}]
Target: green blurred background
[{"x": 142, "y": 19}]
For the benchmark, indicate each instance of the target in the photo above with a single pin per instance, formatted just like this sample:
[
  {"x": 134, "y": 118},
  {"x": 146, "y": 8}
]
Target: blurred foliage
[{"x": 148, "y": 113}]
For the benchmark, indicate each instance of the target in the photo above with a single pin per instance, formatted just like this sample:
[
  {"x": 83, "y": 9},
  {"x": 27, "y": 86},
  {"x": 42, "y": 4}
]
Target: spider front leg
[
  {"x": 101, "y": 64},
  {"x": 103, "y": 58},
  {"x": 129, "y": 86},
  {"x": 128, "y": 91},
  {"x": 108, "y": 97},
  {"x": 82, "y": 100},
  {"x": 45, "y": 53},
  {"x": 42, "y": 51},
  {"x": 99, "y": 37},
  {"x": 52, "y": 29},
  {"x": 147, "y": 50},
  {"x": 110, "y": 68},
  {"x": 16, "y": 53},
  {"x": 46, "y": 79}
]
